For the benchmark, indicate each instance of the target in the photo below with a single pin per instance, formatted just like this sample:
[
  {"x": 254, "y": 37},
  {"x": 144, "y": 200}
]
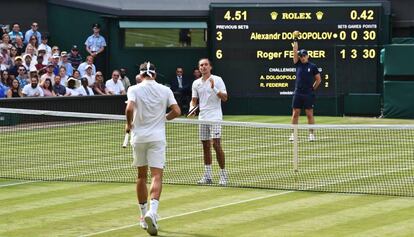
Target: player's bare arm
[
  {"x": 175, "y": 111},
  {"x": 317, "y": 81},
  {"x": 222, "y": 95},
  {"x": 295, "y": 46},
  {"x": 129, "y": 112}
]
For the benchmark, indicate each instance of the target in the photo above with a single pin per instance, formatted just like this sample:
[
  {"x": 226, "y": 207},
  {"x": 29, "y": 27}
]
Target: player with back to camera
[
  {"x": 307, "y": 81},
  {"x": 145, "y": 113},
  {"x": 208, "y": 92}
]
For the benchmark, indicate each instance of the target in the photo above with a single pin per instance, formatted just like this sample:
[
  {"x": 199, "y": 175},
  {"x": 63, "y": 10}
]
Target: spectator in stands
[
  {"x": 65, "y": 62},
  {"x": 99, "y": 85},
  {"x": 27, "y": 61},
  {"x": 76, "y": 74},
  {"x": 22, "y": 76},
  {"x": 33, "y": 89},
  {"x": 55, "y": 62},
  {"x": 15, "y": 90},
  {"x": 63, "y": 75},
  {"x": 33, "y": 72},
  {"x": 6, "y": 56},
  {"x": 13, "y": 54},
  {"x": 41, "y": 51},
  {"x": 84, "y": 89},
  {"x": 95, "y": 45},
  {"x": 39, "y": 65},
  {"x": 180, "y": 86},
  {"x": 58, "y": 88},
  {"x": 15, "y": 32},
  {"x": 89, "y": 76},
  {"x": 48, "y": 88},
  {"x": 72, "y": 87},
  {"x": 55, "y": 50},
  {"x": 74, "y": 57},
  {"x": 30, "y": 50},
  {"x": 82, "y": 66},
  {"x": 5, "y": 42},
  {"x": 49, "y": 73},
  {"x": 114, "y": 86},
  {"x": 14, "y": 69},
  {"x": 3, "y": 90},
  {"x": 3, "y": 66},
  {"x": 5, "y": 78},
  {"x": 33, "y": 41},
  {"x": 124, "y": 79},
  {"x": 45, "y": 46},
  {"x": 20, "y": 46},
  {"x": 196, "y": 74},
  {"x": 33, "y": 32}
]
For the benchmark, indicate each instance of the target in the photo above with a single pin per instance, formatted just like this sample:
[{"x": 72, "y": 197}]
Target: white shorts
[
  {"x": 209, "y": 131},
  {"x": 149, "y": 153}
]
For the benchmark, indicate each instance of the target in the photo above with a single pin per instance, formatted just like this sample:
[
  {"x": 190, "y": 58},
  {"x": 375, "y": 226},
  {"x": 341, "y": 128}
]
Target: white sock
[
  {"x": 223, "y": 172},
  {"x": 143, "y": 207},
  {"x": 154, "y": 205},
  {"x": 208, "y": 173}
]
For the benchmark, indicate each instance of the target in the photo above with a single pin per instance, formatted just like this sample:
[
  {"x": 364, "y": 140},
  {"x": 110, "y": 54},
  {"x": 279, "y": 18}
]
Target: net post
[{"x": 295, "y": 148}]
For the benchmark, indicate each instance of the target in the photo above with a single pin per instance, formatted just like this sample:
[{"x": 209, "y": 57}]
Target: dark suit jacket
[{"x": 186, "y": 85}]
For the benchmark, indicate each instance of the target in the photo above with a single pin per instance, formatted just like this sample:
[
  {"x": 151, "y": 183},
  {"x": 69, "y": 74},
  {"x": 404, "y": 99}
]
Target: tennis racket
[
  {"x": 126, "y": 139},
  {"x": 192, "y": 111}
]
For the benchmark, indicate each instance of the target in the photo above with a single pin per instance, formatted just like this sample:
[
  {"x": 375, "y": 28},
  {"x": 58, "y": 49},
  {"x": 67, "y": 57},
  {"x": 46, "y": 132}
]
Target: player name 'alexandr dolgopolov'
[
  {"x": 289, "y": 36},
  {"x": 270, "y": 55}
]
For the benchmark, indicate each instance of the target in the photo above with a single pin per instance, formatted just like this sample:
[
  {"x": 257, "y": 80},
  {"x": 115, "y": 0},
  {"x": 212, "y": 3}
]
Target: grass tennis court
[{"x": 37, "y": 208}]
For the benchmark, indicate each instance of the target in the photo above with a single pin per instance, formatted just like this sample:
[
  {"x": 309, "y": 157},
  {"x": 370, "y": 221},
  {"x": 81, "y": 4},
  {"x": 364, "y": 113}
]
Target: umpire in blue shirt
[{"x": 307, "y": 81}]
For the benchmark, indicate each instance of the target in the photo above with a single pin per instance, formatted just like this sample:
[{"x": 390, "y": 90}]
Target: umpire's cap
[{"x": 302, "y": 52}]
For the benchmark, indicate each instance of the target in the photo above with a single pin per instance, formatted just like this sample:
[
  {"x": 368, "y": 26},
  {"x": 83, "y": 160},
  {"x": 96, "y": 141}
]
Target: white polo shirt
[
  {"x": 30, "y": 92},
  {"x": 151, "y": 100},
  {"x": 209, "y": 102},
  {"x": 116, "y": 88}
]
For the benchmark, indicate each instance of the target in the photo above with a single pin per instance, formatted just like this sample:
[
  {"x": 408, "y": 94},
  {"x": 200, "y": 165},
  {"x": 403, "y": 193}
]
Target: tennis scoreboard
[{"x": 251, "y": 46}]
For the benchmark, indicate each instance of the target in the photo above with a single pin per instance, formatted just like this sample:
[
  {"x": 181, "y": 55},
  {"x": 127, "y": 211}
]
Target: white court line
[
  {"x": 19, "y": 183},
  {"x": 192, "y": 212}
]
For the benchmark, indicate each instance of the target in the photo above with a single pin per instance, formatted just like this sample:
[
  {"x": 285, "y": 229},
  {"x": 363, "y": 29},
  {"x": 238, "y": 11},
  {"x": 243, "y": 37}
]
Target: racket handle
[{"x": 126, "y": 139}]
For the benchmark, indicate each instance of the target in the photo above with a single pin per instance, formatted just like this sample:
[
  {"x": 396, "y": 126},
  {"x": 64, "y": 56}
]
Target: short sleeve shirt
[
  {"x": 151, "y": 100},
  {"x": 116, "y": 88},
  {"x": 95, "y": 42},
  {"x": 305, "y": 73},
  {"x": 30, "y": 92},
  {"x": 209, "y": 102}
]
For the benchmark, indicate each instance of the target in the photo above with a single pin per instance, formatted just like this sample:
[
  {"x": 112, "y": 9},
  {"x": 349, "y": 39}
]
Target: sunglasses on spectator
[
  {"x": 22, "y": 70},
  {"x": 116, "y": 75},
  {"x": 35, "y": 25}
]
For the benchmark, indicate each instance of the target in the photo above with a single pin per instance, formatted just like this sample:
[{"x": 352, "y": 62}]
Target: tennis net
[{"x": 66, "y": 146}]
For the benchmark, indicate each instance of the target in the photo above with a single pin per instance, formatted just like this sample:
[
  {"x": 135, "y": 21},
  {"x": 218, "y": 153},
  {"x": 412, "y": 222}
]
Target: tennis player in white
[
  {"x": 145, "y": 113},
  {"x": 208, "y": 92}
]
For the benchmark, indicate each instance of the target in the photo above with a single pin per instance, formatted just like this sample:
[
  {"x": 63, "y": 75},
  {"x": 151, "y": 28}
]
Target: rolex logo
[
  {"x": 319, "y": 15},
  {"x": 273, "y": 15}
]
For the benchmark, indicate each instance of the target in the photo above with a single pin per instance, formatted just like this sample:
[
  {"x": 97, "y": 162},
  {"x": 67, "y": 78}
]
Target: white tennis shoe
[
  {"x": 142, "y": 223},
  {"x": 312, "y": 137},
  {"x": 223, "y": 178},
  {"x": 151, "y": 221},
  {"x": 205, "y": 180}
]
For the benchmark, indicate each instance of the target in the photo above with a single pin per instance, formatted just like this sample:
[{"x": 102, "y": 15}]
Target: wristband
[{"x": 216, "y": 90}]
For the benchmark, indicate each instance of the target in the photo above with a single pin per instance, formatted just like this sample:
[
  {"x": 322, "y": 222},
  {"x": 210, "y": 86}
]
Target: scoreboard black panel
[{"x": 251, "y": 46}]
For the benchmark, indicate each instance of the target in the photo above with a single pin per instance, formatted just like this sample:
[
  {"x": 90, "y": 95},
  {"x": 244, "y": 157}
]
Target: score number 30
[{"x": 366, "y": 53}]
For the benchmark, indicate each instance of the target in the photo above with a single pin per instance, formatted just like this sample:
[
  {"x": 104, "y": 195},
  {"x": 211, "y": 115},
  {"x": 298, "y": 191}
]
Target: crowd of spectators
[{"x": 30, "y": 67}]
